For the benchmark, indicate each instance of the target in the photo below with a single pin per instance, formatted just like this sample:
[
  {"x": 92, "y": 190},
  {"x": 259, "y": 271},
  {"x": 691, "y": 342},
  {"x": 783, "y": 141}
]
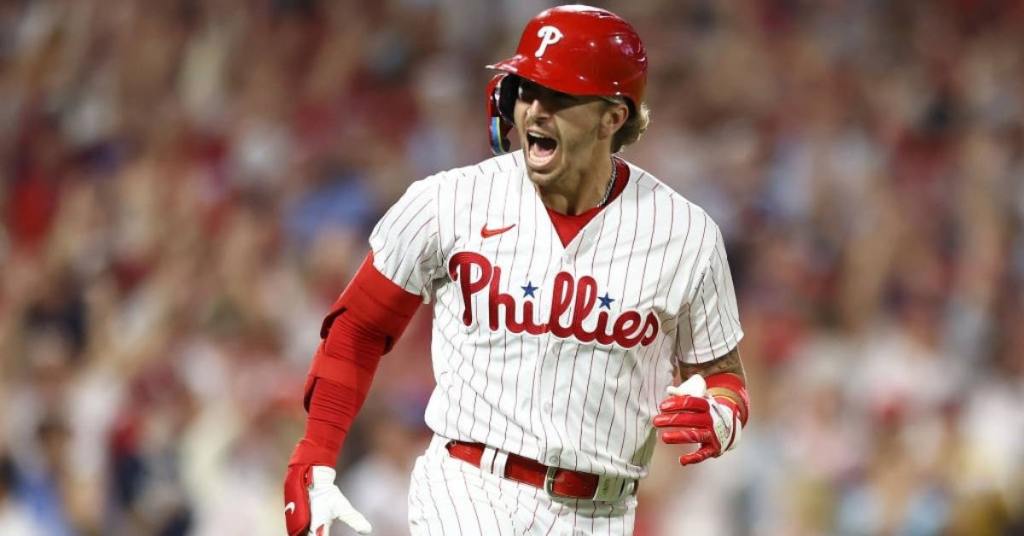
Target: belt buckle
[
  {"x": 549, "y": 486},
  {"x": 549, "y": 481},
  {"x": 623, "y": 487}
]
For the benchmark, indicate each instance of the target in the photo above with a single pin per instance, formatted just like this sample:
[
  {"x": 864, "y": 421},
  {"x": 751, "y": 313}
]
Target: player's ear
[{"x": 612, "y": 119}]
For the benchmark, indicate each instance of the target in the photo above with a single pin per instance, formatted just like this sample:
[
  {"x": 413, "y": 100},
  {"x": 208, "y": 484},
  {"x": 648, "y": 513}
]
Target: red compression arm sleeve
[{"x": 361, "y": 327}]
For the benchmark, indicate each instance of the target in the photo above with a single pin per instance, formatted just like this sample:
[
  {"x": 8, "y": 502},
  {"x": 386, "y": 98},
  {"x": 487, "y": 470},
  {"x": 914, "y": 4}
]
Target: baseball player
[{"x": 569, "y": 289}]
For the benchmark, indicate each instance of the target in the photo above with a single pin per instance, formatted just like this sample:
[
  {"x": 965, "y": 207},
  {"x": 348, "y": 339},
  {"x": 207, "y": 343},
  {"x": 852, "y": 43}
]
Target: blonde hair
[{"x": 634, "y": 127}]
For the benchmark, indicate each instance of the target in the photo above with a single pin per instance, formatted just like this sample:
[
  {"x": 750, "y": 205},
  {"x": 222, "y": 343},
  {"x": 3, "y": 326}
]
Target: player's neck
[{"x": 579, "y": 190}]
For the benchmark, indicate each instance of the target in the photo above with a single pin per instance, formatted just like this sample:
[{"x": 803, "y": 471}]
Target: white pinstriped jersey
[{"x": 557, "y": 353}]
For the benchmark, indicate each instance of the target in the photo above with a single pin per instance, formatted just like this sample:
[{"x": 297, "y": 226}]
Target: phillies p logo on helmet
[
  {"x": 548, "y": 35},
  {"x": 578, "y": 50}
]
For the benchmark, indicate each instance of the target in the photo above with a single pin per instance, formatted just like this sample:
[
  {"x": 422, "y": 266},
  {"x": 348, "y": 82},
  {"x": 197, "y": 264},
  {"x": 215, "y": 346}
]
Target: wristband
[{"x": 735, "y": 384}]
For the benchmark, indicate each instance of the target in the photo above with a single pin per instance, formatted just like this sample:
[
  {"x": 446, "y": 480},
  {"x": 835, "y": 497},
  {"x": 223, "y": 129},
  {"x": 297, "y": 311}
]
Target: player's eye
[{"x": 529, "y": 92}]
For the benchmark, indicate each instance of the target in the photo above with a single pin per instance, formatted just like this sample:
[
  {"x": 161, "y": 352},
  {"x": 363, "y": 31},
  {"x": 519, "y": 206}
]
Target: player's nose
[{"x": 536, "y": 112}]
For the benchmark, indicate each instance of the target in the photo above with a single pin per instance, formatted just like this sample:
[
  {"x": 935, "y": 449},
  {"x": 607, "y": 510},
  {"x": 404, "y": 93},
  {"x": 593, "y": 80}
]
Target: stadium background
[{"x": 186, "y": 185}]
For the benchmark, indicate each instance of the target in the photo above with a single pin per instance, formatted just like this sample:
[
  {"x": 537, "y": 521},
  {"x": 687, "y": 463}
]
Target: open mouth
[{"x": 541, "y": 149}]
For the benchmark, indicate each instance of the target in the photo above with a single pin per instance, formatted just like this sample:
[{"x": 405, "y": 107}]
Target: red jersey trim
[{"x": 568, "y": 227}]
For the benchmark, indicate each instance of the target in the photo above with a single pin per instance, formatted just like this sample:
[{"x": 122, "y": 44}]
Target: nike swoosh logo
[
  {"x": 487, "y": 233},
  {"x": 289, "y": 508}
]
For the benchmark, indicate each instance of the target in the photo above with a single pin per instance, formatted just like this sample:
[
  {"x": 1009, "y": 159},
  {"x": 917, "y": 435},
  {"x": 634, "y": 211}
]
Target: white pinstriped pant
[{"x": 449, "y": 497}]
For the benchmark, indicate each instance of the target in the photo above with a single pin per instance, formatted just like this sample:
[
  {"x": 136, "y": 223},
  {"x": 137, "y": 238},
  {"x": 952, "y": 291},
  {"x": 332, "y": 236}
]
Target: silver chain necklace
[{"x": 611, "y": 185}]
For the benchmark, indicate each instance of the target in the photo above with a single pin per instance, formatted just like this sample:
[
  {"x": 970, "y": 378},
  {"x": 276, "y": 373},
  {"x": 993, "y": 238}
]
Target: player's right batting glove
[
  {"x": 312, "y": 502},
  {"x": 688, "y": 415}
]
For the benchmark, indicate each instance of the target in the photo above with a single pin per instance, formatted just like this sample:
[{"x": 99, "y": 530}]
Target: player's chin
[{"x": 543, "y": 172}]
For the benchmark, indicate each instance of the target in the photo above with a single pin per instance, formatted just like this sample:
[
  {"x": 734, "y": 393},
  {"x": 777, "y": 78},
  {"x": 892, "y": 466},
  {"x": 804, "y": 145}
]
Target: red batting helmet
[{"x": 575, "y": 49}]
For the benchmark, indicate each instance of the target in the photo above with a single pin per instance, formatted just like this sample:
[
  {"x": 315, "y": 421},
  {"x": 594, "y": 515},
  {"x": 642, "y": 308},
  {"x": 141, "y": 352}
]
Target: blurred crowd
[{"x": 186, "y": 185}]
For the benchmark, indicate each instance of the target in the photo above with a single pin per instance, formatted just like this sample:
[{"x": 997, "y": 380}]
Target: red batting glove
[
  {"x": 297, "y": 481},
  {"x": 312, "y": 502},
  {"x": 689, "y": 416}
]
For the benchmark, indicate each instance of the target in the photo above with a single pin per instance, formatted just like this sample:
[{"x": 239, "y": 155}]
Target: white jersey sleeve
[
  {"x": 711, "y": 324},
  {"x": 405, "y": 241}
]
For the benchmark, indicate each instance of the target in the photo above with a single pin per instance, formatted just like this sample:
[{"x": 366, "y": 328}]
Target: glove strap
[
  {"x": 737, "y": 425},
  {"x": 734, "y": 383}
]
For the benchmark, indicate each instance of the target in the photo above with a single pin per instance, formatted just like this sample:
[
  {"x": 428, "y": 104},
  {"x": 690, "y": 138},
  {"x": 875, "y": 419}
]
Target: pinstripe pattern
[
  {"x": 557, "y": 399},
  {"x": 445, "y": 492}
]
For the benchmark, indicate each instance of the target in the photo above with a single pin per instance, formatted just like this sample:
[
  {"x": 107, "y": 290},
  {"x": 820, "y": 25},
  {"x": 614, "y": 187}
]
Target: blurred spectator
[
  {"x": 378, "y": 483},
  {"x": 15, "y": 517}
]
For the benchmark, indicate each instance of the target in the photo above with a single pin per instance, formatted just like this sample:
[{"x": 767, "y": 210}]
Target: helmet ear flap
[
  {"x": 508, "y": 92},
  {"x": 502, "y": 92}
]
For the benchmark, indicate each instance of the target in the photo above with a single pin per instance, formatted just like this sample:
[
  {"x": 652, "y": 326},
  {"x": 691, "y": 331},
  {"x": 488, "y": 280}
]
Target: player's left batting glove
[
  {"x": 313, "y": 502},
  {"x": 688, "y": 415}
]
